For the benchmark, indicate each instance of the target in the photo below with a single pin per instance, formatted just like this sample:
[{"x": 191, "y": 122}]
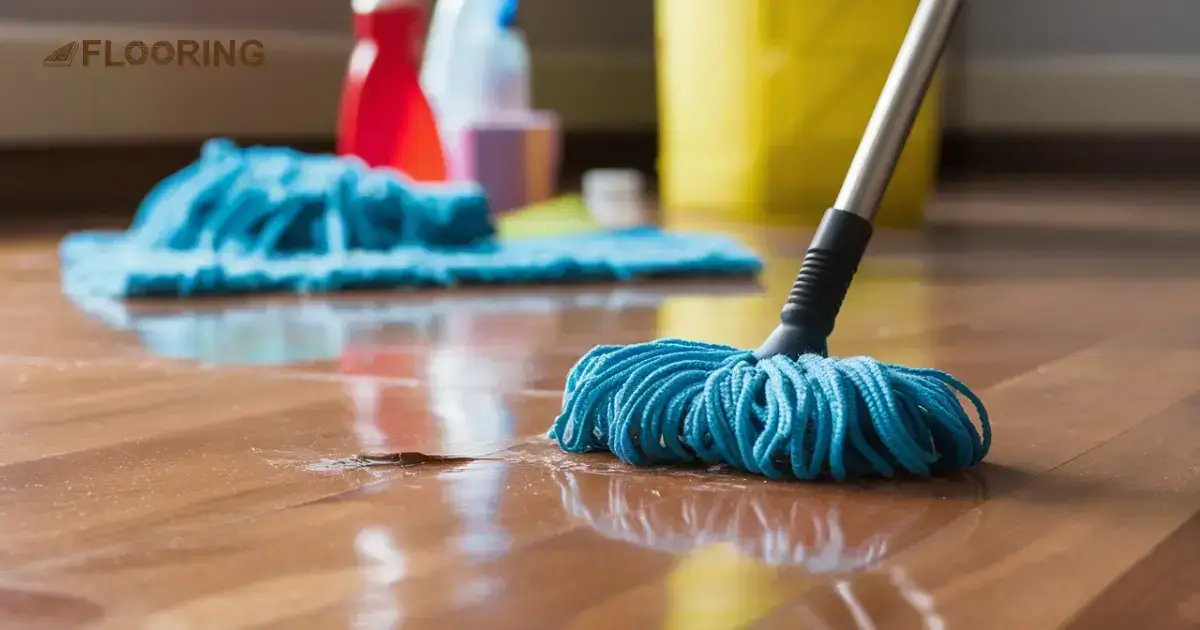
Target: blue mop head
[
  {"x": 269, "y": 219},
  {"x": 672, "y": 402}
]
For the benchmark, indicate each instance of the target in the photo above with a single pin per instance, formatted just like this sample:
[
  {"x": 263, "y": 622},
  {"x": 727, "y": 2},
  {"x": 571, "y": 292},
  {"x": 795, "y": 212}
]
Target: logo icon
[{"x": 62, "y": 57}]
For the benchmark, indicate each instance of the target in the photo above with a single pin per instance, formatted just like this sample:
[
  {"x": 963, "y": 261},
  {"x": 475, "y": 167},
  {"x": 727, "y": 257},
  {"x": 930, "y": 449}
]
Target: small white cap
[{"x": 615, "y": 197}]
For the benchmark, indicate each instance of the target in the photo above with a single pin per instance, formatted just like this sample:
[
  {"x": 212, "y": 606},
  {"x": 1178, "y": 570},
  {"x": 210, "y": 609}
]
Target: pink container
[{"x": 515, "y": 159}]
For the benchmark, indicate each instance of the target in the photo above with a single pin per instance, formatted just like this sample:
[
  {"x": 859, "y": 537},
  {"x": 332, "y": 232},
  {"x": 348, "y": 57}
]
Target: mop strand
[{"x": 673, "y": 401}]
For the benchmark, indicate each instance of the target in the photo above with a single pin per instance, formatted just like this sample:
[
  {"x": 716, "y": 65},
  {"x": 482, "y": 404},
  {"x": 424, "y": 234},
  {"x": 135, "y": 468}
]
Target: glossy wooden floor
[{"x": 197, "y": 466}]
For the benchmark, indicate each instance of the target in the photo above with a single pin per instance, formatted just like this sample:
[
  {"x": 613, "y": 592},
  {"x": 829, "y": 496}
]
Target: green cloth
[{"x": 559, "y": 216}]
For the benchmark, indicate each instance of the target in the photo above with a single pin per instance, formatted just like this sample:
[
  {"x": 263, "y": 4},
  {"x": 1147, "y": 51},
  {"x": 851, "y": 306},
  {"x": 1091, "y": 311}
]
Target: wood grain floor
[{"x": 195, "y": 466}]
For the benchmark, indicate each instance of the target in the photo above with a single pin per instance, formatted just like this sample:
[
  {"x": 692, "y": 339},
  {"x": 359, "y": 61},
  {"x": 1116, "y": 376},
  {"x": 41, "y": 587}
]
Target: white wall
[
  {"x": 1078, "y": 65},
  {"x": 1055, "y": 28},
  {"x": 1019, "y": 65}
]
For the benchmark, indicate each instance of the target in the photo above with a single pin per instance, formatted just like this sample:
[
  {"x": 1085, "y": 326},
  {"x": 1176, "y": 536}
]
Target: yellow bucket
[{"x": 762, "y": 104}]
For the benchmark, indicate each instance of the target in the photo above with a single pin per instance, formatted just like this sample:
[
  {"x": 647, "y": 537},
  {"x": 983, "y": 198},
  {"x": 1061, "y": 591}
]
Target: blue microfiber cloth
[{"x": 249, "y": 220}]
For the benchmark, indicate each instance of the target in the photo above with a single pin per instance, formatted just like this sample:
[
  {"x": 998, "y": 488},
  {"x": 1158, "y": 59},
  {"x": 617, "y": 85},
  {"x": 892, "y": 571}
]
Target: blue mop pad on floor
[{"x": 258, "y": 220}]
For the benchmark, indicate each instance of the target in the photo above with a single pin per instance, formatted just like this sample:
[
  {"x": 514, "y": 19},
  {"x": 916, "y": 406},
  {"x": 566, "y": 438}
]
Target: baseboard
[
  {"x": 109, "y": 179},
  {"x": 294, "y": 93},
  {"x": 1121, "y": 155},
  {"x": 1092, "y": 94},
  {"x": 99, "y": 185}
]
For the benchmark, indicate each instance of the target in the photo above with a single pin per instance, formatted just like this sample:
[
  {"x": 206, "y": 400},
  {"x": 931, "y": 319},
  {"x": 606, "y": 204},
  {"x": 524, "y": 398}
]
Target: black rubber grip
[
  {"x": 825, "y": 276},
  {"x": 820, "y": 288}
]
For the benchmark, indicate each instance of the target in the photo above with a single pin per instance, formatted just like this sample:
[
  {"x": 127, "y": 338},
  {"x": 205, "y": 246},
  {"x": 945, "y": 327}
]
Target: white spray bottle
[
  {"x": 461, "y": 34},
  {"x": 506, "y": 74},
  {"x": 477, "y": 78}
]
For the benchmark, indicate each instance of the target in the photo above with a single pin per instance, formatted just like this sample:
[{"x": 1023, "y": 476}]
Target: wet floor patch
[{"x": 402, "y": 459}]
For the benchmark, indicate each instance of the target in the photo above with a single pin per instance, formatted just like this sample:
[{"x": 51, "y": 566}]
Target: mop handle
[
  {"x": 837, "y": 248},
  {"x": 897, "y": 108}
]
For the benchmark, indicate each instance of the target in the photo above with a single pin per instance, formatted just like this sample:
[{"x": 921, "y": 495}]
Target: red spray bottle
[{"x": 385, "y": 117}]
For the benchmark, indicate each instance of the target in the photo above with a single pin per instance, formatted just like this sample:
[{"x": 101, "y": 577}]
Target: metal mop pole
[{"x": 837, "y": 248}]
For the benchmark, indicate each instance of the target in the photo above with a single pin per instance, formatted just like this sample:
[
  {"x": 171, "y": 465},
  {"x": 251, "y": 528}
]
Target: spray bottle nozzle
[{"x": 508, "y": 13}]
